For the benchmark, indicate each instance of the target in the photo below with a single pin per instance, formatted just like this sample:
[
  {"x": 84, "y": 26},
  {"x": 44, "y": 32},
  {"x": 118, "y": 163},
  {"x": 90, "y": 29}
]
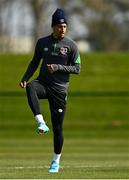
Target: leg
[
  {"x": 57, "y": 116},
  {"x": 57, "y": 104},
  {"x": 35, "y": 91},
  {"x": 57, "y": 124},
  {"x": 58, "y": 108}
]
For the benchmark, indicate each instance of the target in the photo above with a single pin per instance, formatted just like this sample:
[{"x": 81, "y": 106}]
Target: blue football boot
[
  {"x": 42, "y": 128},
  {"x": 54, "y": 167}
]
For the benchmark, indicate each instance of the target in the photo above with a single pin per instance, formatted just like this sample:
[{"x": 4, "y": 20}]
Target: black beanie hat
[{"x": 58, "y": 17}]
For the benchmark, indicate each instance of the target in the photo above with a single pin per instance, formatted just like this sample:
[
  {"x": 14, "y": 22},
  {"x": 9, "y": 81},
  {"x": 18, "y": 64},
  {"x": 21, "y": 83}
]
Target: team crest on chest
[{"x": 63, "y": 50}]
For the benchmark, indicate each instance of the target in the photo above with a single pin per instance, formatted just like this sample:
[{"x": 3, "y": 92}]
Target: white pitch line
[{"x": 66, "y": 166}]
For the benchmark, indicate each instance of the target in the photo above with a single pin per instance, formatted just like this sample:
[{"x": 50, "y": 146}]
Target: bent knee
[{"x": 29, "y": 86}]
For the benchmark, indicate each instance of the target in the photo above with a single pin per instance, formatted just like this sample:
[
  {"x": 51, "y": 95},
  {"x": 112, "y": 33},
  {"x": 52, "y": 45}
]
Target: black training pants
[{"x": 37, "y": 90}]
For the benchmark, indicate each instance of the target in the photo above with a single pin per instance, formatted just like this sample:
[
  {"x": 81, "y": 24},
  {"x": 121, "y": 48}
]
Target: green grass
[
  {"x": 91, "y": 158},
  {"x": 96, "y": 125}
]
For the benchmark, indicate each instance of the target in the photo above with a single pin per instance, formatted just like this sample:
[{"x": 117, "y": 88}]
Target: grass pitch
[
  {"x": 96, "y": 126},
  {"x": 83, "y": 158}
]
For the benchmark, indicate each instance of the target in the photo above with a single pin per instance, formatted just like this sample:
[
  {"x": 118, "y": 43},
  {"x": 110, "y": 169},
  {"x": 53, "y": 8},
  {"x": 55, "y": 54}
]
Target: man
[{"x": 60, "y": 58}]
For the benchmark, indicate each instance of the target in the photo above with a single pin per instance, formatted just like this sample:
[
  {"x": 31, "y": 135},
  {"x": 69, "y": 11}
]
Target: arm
[
  {"x": 32, "y": 66},
  {"x": 72, "y": 69},
  {"x": 74, "y": 65}
]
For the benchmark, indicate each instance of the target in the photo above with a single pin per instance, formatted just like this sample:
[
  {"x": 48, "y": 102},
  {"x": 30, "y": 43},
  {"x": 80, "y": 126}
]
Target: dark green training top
[{"x": 62, "y": 53}]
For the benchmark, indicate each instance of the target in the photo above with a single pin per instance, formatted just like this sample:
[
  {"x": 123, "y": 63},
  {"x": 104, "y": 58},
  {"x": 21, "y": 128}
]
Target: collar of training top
[{"x": 55, "y": 38}]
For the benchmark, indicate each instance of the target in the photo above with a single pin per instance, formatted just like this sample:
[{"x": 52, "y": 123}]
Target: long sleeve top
[{"x": 62, "y": 53}]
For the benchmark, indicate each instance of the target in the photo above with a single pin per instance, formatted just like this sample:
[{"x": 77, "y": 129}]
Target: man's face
[{"x": 59, "y": 30}]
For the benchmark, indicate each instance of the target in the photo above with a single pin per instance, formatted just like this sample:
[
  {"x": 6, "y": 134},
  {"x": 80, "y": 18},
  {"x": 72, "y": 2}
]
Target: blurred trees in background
[
  {"x": 110, "y": 31},
  {"x": 102, "y": 24},
  {"x": 37, "y": 8}
]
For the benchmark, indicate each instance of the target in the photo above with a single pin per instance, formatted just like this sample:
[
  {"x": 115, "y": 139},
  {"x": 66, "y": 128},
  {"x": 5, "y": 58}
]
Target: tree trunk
[{"x": 37, "y": 10}]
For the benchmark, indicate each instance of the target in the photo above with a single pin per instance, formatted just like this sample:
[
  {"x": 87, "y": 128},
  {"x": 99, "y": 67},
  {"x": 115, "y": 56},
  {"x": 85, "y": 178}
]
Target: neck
[{"x": 56, "y": 37}]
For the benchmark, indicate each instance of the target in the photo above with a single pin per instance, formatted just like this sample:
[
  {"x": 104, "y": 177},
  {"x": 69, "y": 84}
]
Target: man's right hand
[{"x": 23, "y": 84}]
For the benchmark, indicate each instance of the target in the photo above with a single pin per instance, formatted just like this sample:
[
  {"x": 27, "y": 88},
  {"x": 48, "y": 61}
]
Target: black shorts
[{"x": 56, "y": 95}]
